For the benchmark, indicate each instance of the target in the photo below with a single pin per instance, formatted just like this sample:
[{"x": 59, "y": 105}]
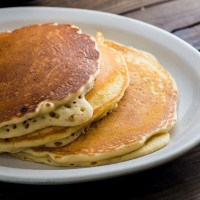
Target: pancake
[
  {"x": 43, "y": 71},
  {"x": 155, "y": 143},
  {"x": 147, "y": 109},
  {"x": 108, "y": 89}
]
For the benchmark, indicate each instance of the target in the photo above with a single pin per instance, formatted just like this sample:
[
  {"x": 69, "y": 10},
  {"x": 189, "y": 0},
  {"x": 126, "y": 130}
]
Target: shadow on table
[{"x": 11, "y": 3}]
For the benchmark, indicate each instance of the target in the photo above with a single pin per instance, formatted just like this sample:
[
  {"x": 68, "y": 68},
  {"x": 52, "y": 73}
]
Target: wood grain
[
  {"x": 114, "y": 6},
  {"x": 170, "y": 15},
  {"x": 190, "y": 35}
]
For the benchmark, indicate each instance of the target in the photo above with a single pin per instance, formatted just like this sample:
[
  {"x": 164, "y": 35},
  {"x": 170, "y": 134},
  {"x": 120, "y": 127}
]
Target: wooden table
[{"x": 177, "y": 180}]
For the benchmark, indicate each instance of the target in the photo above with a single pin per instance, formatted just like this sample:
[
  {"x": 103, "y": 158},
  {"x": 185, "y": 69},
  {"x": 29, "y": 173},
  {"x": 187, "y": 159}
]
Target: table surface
[{"x": 178, "y": 179}]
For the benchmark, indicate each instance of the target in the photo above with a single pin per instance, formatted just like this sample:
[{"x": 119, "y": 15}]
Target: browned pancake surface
[
  {"x": 143, "y": 111},
  {"x": 43, "y": 62},
  {"x": 108, "y": 89}
]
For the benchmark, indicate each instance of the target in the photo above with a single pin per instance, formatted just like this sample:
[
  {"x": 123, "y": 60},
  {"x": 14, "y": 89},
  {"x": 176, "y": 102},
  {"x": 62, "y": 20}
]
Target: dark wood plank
[
  {"x": 170, "y": 15},
  {"x": 113, "y": 6},
  {"x": 118, "y": 6},
  {"x": 190, "y": 35}
]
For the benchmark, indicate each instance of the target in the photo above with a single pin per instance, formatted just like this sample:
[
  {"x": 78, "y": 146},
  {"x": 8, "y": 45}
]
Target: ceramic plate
[{"x": 178, "y": 57}]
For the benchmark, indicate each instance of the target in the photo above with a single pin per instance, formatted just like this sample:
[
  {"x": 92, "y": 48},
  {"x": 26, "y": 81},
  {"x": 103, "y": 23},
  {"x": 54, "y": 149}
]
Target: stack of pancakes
[{"x": 68, "y": 100}]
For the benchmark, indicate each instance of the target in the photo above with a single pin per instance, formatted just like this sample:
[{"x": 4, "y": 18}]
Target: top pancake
[
  {"x": 108, "y": 89},
  {"x": 147, "y": 108},
  {"x": 42, "y": 67}
]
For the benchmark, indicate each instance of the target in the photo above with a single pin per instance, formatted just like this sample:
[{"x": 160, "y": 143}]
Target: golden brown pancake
[
  {"x": 42, "y": 67},
  {"x": 108, "y": 89},
  {"x": 147, "y": 108},
  {"x": 151, "y": 145}
]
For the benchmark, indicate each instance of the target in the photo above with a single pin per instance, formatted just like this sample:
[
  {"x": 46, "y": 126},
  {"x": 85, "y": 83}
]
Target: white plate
[{"x": 179, "y": 58}]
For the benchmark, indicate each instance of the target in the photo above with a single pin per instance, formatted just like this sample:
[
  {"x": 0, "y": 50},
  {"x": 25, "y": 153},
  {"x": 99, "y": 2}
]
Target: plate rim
[{"x": 17, "y": 175}]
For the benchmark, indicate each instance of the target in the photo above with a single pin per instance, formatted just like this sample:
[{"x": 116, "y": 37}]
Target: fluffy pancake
[
  {"x": 42, "y": 68},
  {"x": 74, "y": 113},
  {"x": 147, "y": 108},
  {"x": 108, "y": 89},
  {"x": 151, "y": 145}
]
